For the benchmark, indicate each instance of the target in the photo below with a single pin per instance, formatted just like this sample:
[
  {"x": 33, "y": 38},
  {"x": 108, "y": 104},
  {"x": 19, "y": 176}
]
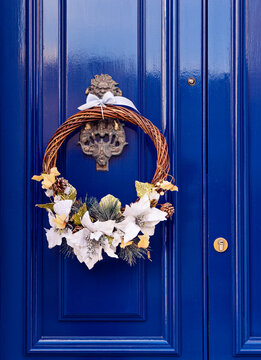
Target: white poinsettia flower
[
  {"x": 139, "y": 216},
  {"x": 97, "y": 228},
  {"x": 129, "y": 228},
  {"x": 89, "y": 250},
  {"x": 58, "y": 219},
  {"x": 78, "y": 239},
  {"x": 54, "y": 236}
]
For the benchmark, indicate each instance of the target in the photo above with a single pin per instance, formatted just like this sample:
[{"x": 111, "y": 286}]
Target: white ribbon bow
[{"x": 107, "y": 99}]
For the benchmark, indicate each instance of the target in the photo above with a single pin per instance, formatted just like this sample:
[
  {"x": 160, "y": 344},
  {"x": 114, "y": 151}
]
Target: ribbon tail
[
  {"x": 89, "y": 104},
  {"x": 83, "y": 107},
  {"x": 121, "y": 100}
]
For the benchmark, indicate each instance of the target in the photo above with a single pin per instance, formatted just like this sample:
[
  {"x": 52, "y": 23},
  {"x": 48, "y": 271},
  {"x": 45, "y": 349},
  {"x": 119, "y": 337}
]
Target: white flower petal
[
  {"x": 155, "y": 214},
  {"x": 80, "y": 253},
  {"x": 109, "y": 250},
  {"x": 51, "y": 217},
  {"x": 105, "y": 227},
  {"x": 131, "y": 231},
  {"x": 49, "y": 192},
  {"x": 117, "y": 238},
  {"x": 148, "y": 229},
  {"x": 144, "y": 201},
  {"x": 90, "y": 262},
  {"x": 129, "y": 228},
  {"x": 96, "y": 235},
  {"x": 137, "y": 208},
  {"x": 154, "y": 195},
  {"x": 122, "y": 224},
  {"x": 78, "y": 239},
  {"x": 53, "y": 237},
  {"x": 86, "y": 221},
  {"x": 63, "y": 207}
]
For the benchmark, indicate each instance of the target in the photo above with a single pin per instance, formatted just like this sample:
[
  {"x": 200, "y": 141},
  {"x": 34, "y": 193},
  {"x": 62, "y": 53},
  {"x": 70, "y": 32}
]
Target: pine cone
[
  {"x": 60, "y": 185},
  {"x": 168, "y": 208}
]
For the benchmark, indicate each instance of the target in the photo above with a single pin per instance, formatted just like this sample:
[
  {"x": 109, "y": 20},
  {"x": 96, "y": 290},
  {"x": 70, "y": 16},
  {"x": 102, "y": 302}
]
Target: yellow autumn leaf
[
  {"x": 55, "y": 171},
  {"x": 60, "y": 221},
  {"x": 166, "y": 185},
  {"x": 123, "y": 245},
  {"x": 144, "y": 241},
  {"x": 48, "y": 179},
  {"x": 37, "y": 177}
]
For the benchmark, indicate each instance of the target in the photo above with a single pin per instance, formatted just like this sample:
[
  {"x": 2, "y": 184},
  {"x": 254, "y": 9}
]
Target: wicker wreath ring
[
  {"x": 87, "y": 229},
  {"x": 110, "y": 112}
]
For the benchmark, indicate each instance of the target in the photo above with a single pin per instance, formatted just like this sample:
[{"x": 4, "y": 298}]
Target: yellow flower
[
  {"x": 144, "y": 241},
  {"x": 60, "y": 221},
  {"x": 48, "y": 179}
]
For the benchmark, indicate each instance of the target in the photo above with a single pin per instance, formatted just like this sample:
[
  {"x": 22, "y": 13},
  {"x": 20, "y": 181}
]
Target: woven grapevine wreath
[{"x": 87, "y": 228}]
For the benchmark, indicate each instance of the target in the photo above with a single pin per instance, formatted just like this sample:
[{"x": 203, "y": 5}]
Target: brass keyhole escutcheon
[{"x": 220, "y": 244}]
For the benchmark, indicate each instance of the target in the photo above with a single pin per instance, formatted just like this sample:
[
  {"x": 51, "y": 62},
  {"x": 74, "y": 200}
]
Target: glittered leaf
[
  {"x": 71, "y": 196},
  {"x": 143, "y": 188},
  {"x": 110, "y": 200},
  {"x": 78, "y": 216},
  {"x": 48, "y": 206}
]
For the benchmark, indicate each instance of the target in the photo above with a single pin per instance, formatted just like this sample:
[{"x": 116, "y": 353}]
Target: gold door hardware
[{"x": 220, "y": 244}]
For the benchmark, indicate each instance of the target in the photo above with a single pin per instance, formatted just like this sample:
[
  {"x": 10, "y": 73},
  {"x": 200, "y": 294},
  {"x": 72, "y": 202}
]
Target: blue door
[
  {"x": 234, "y": 104},
  {"x": 193, "y": 68}
]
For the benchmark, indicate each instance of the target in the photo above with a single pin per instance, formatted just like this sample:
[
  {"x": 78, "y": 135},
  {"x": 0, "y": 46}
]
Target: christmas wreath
[{"x": 86, "y": 228}]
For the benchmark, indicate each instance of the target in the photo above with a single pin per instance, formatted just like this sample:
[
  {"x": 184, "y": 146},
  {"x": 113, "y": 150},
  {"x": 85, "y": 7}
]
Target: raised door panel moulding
[
  {"x": 167, "y": 343},
  {"x": 245, "y": 343}
]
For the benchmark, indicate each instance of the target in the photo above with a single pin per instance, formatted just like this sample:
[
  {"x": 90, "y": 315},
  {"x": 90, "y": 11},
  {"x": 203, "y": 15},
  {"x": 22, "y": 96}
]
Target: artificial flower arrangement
[{"x": 87, "y": 228}]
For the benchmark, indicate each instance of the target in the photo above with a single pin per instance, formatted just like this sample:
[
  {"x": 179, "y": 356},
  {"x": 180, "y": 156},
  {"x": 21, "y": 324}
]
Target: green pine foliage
[
  {"x": 132, "y": 253},
  {"x": 106, "y": 210},
  {"x": 66, "y": 250}
]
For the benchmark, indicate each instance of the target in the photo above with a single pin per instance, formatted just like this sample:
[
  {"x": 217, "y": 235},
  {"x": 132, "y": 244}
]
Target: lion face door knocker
[{"x": 105, "y": 138}]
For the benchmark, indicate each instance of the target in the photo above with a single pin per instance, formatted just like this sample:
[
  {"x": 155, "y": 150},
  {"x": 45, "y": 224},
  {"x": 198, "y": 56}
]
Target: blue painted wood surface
[
  {"x": 234, "y": 105},
  {"x": 190, "y": 302}
]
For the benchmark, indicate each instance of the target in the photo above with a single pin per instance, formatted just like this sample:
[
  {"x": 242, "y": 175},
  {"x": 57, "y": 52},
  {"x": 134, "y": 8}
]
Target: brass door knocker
[{"x": 105, "y": 138}]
